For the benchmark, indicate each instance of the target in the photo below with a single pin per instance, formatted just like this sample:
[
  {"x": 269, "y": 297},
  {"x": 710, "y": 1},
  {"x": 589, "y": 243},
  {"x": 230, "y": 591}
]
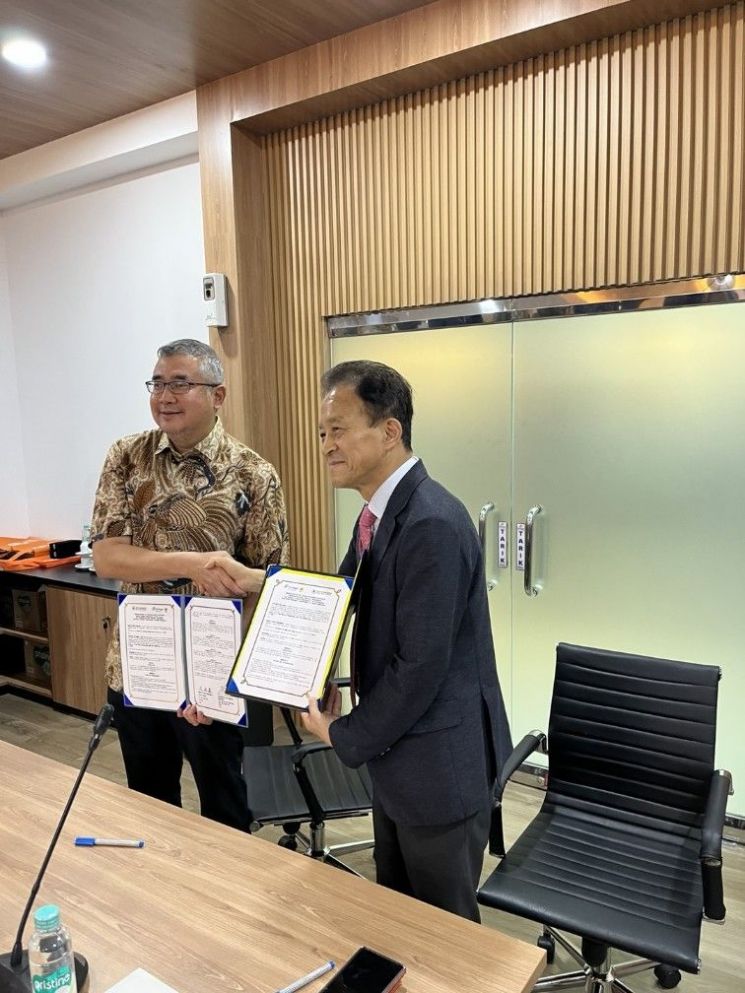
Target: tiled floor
[{"x": 64, "y": 737}]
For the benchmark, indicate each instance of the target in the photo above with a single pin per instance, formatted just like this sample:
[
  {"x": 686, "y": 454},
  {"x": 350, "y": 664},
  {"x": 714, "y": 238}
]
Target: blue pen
[
  {"x": 304, "y": 980},
  {"x": 110, "y": 842}
]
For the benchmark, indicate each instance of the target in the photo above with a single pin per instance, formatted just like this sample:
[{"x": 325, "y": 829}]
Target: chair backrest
[{"x": 633, "y": 736}]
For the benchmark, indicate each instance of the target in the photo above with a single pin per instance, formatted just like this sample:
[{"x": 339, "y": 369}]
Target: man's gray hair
[{"x": 210, "y": 366}]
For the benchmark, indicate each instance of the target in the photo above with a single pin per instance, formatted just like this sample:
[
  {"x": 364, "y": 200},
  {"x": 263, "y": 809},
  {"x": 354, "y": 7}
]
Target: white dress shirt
[{"x": 379, "y": 500}]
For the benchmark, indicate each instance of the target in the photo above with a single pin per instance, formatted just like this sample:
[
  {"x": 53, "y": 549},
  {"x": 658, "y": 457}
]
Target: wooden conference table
[{"x": 204, "y": 907}]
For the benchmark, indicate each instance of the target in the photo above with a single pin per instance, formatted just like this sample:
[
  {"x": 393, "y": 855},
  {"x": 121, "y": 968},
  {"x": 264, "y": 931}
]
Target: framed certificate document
[
  {"x": 293, "y": 642},
  {"x": 180, "y": 649}
]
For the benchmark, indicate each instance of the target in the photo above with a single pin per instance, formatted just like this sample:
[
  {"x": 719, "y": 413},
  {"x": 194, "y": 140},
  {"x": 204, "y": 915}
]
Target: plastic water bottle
[
  {"x": 50, "y": 960},
  {"x": 86, "y": 555}
]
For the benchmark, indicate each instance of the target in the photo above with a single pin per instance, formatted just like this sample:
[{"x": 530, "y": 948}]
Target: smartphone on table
[{"x": 366, "y": 972}]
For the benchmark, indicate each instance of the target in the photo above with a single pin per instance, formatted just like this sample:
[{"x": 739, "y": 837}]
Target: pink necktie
[{"x": 365, "y": 531}]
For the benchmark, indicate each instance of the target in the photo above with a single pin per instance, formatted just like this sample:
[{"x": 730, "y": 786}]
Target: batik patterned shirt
[{"x": 220, "y": 496}]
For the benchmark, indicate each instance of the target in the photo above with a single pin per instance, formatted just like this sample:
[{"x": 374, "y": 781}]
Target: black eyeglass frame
[{"x": 157, "y": 386}]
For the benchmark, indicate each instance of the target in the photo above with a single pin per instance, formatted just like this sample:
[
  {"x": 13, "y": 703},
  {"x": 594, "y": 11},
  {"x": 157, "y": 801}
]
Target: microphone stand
[{"x": 14, "y": 967}]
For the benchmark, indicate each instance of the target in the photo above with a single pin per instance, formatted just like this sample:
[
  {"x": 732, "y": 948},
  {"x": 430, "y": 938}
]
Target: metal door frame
[{"x": 707, "y": 290}]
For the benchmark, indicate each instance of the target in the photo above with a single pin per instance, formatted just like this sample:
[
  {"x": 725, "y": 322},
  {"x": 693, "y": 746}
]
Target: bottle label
[{"x": 59, "y": 981}]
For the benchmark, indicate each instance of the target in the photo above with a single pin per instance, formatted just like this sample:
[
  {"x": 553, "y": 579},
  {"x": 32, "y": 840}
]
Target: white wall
[
  {"x": 97, "y": 279},
  {"x": 13, "y": 504},
  {"x": 162, "y": 133}
]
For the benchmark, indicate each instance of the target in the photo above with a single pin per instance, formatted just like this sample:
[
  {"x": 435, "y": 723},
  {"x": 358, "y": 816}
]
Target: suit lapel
[
  {"x": 371, "y": 560},
  {"x": 399, "y": 499}
]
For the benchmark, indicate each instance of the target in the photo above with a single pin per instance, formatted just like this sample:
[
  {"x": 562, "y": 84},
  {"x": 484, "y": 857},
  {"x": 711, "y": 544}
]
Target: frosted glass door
[
  {"x": 461, "y": 430},
  {"x": 630, "y": 435}
]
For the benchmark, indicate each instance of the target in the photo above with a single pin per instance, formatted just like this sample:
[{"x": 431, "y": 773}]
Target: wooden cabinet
[{"x": 80, "y": 626}]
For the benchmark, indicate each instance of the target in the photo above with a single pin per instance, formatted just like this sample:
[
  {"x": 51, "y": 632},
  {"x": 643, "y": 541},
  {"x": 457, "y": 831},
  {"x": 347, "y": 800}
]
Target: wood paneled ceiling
[{"x": 111, "y": 57}]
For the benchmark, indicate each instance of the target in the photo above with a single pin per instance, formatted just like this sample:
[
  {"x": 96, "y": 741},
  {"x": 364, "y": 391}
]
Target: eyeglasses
[{"x": 177, "y": 386}]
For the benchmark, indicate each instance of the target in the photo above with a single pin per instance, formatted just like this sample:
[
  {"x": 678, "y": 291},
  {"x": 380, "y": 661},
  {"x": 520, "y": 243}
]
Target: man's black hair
[{"x": 384, "y": 392}]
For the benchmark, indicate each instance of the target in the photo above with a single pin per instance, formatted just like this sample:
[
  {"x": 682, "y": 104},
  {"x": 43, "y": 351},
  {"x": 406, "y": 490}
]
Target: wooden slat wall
[{"x": 614, "y": 162}]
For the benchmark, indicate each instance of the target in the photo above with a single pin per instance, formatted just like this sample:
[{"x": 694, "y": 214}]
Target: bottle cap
[{"x": 46, "y": 918}]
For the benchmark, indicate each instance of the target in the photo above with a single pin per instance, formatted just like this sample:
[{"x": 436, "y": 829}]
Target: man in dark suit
[{"x": 430, "y": 722}]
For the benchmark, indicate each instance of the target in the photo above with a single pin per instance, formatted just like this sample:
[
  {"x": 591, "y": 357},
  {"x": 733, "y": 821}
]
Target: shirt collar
[
  {"x": 207, "y": 446},
  {"x": 379, "y": 500}
]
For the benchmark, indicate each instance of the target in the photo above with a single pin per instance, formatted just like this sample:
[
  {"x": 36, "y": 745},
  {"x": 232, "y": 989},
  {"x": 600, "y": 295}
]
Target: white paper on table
[
  {"x": 140, "y": 981},
  {"x": 212, "y": 633},
  {"x": 152, "y": 650},
  {"x": 292, "y": 642}
]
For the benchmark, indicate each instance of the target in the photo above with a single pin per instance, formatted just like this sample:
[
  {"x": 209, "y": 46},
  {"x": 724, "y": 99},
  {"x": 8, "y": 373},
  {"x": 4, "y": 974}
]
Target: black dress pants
[
  {"x": 440, "y": 865},
  {"x": 154, "y": 744}
]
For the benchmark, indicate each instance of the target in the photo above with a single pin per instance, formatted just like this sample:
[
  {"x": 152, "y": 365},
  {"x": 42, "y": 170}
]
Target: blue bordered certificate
[
  {"x": 212, "y": 636},
  {"x": 293, "y": 641},
  {"x": 151, "y": 636},
  {"x": 178, "y": 649}
]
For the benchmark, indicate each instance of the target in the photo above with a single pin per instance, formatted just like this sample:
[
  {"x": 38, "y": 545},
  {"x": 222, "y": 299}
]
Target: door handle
[
  {"x": 530, "y": 590},
  {"x": 487, "y": 509}
]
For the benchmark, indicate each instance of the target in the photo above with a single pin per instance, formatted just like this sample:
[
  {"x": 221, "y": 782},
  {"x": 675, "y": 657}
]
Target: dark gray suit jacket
[{"x": 430, "y": 722}]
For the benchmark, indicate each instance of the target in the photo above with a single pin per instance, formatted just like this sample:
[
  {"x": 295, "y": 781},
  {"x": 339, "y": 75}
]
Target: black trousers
[
  {"x": 440, "y": 865},
  {"x": 154, "y": 744}
]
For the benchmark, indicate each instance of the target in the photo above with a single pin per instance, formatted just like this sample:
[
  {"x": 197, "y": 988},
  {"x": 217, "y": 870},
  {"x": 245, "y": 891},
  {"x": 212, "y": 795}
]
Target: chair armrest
[
  {"x": 714, "y": 814},
  {"x": 529, "y": 744},
  {"x": 300, "y": 754},
  {"x": 532, "y": 741},
  {"x": 291, "y": 726},
  {"x": 711, "y": 845},
  {"x": 303, "y": 751},
  {"x": 317, "y": 813}
]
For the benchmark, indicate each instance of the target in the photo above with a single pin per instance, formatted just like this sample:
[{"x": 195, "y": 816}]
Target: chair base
[
  {"x": 315, "y": 847},
  {"x": 318, "y": 849},
  {"x": 597, "y": 974}
]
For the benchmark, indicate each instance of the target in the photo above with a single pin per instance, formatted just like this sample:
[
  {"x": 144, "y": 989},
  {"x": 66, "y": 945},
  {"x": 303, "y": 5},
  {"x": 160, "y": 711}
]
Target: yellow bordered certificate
[{"x": 293, "y": 641}]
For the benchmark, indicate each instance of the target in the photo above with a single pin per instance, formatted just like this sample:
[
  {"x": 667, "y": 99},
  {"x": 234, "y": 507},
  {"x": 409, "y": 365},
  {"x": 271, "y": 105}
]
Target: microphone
[
  {"x": 102, "y": 725},
  {"x": 14, "y": 972}
]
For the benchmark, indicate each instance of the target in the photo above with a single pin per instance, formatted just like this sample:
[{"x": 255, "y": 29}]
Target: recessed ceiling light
[{"x": 25, "y": 53}]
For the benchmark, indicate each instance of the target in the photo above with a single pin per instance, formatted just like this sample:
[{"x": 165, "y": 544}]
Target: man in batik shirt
[{"x": 173, "y": 504}]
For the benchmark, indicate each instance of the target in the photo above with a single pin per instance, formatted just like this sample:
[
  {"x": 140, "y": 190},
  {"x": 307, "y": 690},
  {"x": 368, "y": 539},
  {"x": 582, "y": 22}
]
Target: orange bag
[{"x": 14, "y": 551}]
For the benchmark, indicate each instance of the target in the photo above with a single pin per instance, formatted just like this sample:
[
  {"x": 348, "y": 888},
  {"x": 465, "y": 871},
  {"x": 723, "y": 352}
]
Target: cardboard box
[
  {"x": 36, "y": 661},
  {"x": 30, "y": 612}
]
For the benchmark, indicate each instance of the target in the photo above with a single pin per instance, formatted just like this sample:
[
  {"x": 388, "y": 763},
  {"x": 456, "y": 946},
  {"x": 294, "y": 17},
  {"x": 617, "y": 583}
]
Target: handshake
[{"x": 218, "y": 574}]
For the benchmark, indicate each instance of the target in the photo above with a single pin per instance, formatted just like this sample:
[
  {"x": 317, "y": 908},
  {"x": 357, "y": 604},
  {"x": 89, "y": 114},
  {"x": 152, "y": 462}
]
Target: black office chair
[
  {"x": 626, "y": 850},
  {"x": 305, "y": 783}
]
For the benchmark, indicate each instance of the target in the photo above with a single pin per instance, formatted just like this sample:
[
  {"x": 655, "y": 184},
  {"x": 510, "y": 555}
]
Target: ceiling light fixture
[{"x": 24, "y": 53}]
